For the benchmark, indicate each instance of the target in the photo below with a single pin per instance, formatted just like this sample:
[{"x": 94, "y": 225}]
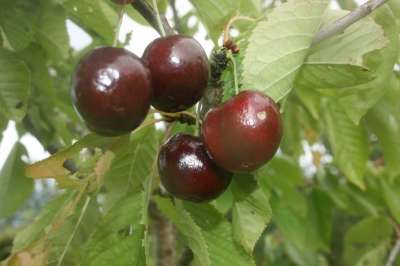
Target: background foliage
[{"x": 330, "y": 197}]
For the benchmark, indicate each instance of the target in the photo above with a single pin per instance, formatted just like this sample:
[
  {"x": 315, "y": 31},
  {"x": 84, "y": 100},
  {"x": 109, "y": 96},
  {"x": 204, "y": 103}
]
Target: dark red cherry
[
  {"x": 187, "y": 171},
  {"x": 244, "y": 133},
  {"x": 123, "y": 2},
  {"x": 179, "y": 70},
  {"x": 112, "y": 90}
]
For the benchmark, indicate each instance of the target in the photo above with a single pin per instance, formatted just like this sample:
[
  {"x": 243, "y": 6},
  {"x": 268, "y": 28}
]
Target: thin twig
[
  {"x": 177, "y": 20},
  {"x": 158, "y": 17},
  {"x": 150, "y": 15},
  {"x": 393, "y": 254},
  {"x": 343, "y": 23},
  {"x": 118, "y": 28}
]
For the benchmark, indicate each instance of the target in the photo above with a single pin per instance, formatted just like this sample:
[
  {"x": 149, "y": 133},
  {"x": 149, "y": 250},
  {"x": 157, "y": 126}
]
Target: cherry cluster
[{"x": 113, "y": 90}]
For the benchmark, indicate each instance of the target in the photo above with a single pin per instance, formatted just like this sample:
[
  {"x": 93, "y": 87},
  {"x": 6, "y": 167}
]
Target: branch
[
  {"x": 393, "y": 254},
  {"x": 343, "y": 23},
  {"x": 149, "y": 14}
]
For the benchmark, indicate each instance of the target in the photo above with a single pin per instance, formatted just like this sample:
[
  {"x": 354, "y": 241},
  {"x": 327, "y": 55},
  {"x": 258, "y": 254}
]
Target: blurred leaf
[
  {"x": 118, "y": 238},
  {"x": 35, "y": 255},
  {"x": 186, "y": 226},
  {"x": 36, "y": 229},
  {"x": 338, "y": 61},
  {"x": 15, "y": 188},
  {"x": 319, "y": 220},
  {"x": 384, "y": 121},
  {"x": 95, "y": 17},
  {"x": 15, "y": 86},
  {"x": 391, "y": 194},
  {"x": 278, "y": 47},
  {"x": 280, "y": 177},
  {"x": 357, "y": 100},
  {"x": 365, "y": 236},
  {"x": 349, "y": 143},
  {"x": 17, "y": 19},
  {"x": 52, "y": 31},
  {"x": 218, "y": 235},
  {"x": 216, "y": 14},
  {"x": 291, "y": 225}
]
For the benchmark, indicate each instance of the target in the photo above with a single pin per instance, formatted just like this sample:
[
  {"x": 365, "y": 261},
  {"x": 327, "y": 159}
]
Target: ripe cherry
[
  {"x": 187, "y": 171},
  {"x": 244, "y": 133},
  {"x": 112, "y": 90},
  {"x": 179, "y": 69}
]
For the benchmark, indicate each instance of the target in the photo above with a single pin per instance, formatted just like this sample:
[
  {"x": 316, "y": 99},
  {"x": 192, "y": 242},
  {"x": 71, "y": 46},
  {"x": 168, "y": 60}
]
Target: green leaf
[
  {"x": 384, "y": 121},
  {"x": 218, "y": 235},
  {"x": 338, "y": 61},
  {"x": 96, "y": 17},
  {"x": 291, "y": 225},
  {"x": 54, "y": 166},
  {"x": 52, "y": 31},
  {"x": 251, "y": 216},
  {"x": 391, "y": 195},
  {"x": 15, "y": 188},
  {"x": 118, "y": 238},
  {"x": 186, "y": 226},
  {"x": 17, "y": 21},
  {"x": 349, "y": 143},
  {"x": 319, "y": 220},
  {"x": 357, "y": 100},
  {"x": 367, "y": 235},
  {"x": 79, "y": 225},
  {"x": 216, "y": 14},
  {"x": 132, "y": 164},
  {"x": 15, "y": 86},
  {"x": 278, "y": 47},
  {"x": 36, "y": 229},
  {"x": 281, "y": 177}
]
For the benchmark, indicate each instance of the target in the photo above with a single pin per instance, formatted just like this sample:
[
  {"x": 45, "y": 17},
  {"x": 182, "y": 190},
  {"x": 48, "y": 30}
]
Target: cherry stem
[
  {"x": 230, "y": 23},
  {"x": 235, "y": 76},
  {"x": 118, "y": 28},
  {"x": 159, "y": 21}
]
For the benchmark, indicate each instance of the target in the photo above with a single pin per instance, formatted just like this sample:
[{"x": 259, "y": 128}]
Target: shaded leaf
[
  {"x": 349, "y": 143},
  {"x": 15, "y": 188},
  {"x": 15, "y": 86},
  {"x": 186, "y": 226}
]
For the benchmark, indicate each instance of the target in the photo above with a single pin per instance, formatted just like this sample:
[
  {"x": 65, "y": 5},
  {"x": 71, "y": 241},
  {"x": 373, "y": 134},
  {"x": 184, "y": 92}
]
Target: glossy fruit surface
[
  {"x": 187, "y": 171},
  {"x": 179, "y": 69},
  {"x": 112, "y": 90},
  {"x": 244, "y": 133}
]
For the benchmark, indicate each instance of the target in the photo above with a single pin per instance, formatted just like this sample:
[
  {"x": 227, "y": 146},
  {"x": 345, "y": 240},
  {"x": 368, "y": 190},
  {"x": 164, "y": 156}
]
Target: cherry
[
  {"x": 112, "y": 90},
  {"x": 179, "y": 69},
  {"x": 244, "y": 133},
  {"x": 123, "y": 2},
  {"x": 187, "y": 171}
]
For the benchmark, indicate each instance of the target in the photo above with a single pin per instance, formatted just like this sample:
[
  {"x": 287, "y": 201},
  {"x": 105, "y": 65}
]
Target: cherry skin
[
  {"x": 112, "y": 91},
  {"x": 244, "y": 133},
  {"x": 188, "y": 173},
  {"x": 179, "y": 69}
]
